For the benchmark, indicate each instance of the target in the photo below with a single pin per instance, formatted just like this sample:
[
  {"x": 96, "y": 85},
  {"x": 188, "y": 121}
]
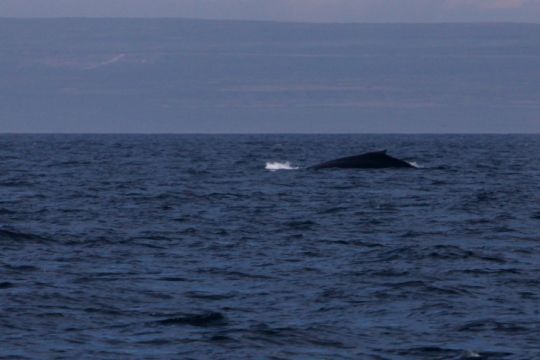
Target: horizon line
[
  {"x": 268, "y": 133},
  {"x": 299, "y": 22}
]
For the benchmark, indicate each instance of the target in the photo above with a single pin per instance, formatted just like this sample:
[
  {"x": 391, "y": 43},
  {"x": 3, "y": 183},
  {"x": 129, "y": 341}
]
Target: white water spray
[{"x": 275, "y": 166}]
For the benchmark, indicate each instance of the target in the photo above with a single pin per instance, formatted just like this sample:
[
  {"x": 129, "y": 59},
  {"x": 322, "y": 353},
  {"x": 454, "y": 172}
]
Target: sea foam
[{"x": 274, "y": 166}]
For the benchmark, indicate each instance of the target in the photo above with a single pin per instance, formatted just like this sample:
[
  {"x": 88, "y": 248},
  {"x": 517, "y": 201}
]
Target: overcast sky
[{"x": 285, "y": 10}]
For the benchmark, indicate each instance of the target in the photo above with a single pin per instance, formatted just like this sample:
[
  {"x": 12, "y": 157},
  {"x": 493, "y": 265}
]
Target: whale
[{"x": 370, "y": 160}]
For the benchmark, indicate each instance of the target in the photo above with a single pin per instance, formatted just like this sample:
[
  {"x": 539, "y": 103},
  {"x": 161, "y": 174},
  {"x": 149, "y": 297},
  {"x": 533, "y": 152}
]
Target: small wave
[
  {"x": 201, "y": 320},
  {"x": 12, "y": 235},
  {"x": 304, "y": 225},
  {"x": 274, "y": 166},
  {"x": 415, "y": 164},
  {"x": 208, "y": 296},
  {"x": 6, "y": 285},
  {"x": 6, "y": 212}
]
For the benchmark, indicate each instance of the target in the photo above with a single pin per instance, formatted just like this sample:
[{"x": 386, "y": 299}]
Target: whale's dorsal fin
[{"x": 380, "y": 152}]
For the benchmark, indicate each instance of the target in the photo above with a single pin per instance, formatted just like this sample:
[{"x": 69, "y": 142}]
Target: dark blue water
[{"x": 186, "y": 247}]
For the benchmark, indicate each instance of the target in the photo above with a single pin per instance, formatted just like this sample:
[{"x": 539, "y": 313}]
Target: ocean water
[{"x": 203, "y": 246}]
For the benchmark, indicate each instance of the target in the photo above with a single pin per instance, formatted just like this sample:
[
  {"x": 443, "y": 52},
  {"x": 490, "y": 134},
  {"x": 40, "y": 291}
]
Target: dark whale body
[{"x": 371, "y": 160}]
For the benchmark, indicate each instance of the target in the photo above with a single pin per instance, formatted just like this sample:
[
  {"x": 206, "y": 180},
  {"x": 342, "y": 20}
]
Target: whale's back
[{"x": 371, "y": 160}]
